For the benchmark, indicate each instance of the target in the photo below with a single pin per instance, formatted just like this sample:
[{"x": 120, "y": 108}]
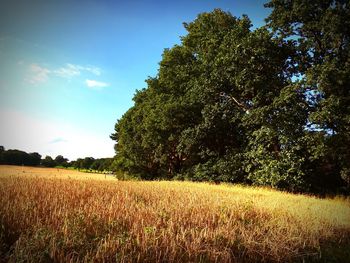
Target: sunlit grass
[
  {"x": 67, "y": 216},
  {"x": 58, "y": 173}
]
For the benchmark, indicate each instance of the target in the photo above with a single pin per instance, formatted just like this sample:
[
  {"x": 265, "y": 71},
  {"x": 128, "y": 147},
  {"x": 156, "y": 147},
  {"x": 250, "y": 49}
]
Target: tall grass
[{"x": 71, "y": 218}]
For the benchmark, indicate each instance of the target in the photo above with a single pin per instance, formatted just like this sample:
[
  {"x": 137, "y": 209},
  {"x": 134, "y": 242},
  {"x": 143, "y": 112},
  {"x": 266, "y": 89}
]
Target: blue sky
[{"x": 69, "y": 69}]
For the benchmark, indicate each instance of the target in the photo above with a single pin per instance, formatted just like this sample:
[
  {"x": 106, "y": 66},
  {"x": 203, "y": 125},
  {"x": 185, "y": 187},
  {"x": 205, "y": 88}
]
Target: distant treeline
[
  {"x": 90, "y": 163},
  {"x": 17, "y": 157}
]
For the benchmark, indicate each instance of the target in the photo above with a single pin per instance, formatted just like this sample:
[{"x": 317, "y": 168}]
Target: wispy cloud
[
  {"x": 58, "y": 140},
  {"x": 37, "y": 74},
  {"x": 94, "y": 84},
  {"x": 68, "y": 71},
  {"x": 93, "y": 70},
  {"x": 72, "y": 70}
]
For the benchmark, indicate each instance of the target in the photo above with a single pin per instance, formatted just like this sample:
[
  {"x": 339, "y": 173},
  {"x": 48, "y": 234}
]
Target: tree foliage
[
  {"x": 223, "y": 107},
  {"x": 16, "y": 157},
  {"x": 239, "y": 105},
  {"x": 61, "y": 161},
  {"x": 320, "y": 33},
  {"x": 48, "y": 162},
  {"x": 90, "y": 163}
]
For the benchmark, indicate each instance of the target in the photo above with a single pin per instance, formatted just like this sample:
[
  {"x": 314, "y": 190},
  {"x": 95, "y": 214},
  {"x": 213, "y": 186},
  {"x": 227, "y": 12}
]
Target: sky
[{"x": 69, "y": 69}]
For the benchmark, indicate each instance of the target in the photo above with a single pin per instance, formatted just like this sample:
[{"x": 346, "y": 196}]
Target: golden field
[{"x": 55, "y": 215}]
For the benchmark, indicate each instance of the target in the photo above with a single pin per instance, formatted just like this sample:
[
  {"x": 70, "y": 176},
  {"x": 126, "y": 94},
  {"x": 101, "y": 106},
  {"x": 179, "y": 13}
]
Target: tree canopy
[
  {"x": 17, "y": 157},
  {"x": 268, "y": 106}
]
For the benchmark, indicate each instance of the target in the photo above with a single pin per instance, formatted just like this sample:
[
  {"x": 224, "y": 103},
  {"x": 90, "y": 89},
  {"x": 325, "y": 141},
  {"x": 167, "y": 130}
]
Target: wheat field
[{"x": 55, "y": 215}]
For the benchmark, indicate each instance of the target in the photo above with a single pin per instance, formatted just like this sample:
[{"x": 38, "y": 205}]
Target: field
[{"x": 54, "y": 215}]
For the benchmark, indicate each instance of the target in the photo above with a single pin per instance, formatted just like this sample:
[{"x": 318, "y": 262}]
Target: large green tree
[
  {"x": 268, "y": 106},
  {"x": 200, "y": 116}
]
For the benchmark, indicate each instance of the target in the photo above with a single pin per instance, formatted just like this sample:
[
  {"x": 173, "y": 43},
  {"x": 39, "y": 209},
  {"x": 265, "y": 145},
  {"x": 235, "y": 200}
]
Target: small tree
[
  {"x": 2, "y": 150},
  {"x": 34, "y": 159},
  {"x": 48, "y": 162},
  {"x": 61, "y": 161}
]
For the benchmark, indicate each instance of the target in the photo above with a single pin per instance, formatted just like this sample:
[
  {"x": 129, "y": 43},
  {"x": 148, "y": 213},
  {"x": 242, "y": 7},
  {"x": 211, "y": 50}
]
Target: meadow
[{"x": 56, "y": 215}]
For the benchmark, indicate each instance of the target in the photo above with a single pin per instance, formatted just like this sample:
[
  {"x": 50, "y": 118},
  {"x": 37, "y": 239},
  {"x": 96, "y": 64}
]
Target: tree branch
[{"x": 239, "y": 104}]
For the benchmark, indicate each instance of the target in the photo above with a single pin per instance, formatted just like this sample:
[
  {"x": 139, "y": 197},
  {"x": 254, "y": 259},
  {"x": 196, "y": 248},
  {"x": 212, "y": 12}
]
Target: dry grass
[
  {"x": 50, "y": 215},
  {"x": 11, "y": 170}
]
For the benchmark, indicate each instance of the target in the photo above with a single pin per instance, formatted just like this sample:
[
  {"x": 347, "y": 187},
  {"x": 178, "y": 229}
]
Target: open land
[{"x": 57, "y": 215}]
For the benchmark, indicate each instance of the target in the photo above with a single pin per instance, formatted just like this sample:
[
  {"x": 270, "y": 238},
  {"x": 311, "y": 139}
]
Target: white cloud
[
  {"x": 68, "y": 71},
  {"x": 94, "y": 70},
  {"x": 58, "y": 140},
  {"x": 72, "y": 70},
  {"x": 37, "y": 74},
  {"x": 94, "y": 84},
  {"x": 22, "y": 131}
]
